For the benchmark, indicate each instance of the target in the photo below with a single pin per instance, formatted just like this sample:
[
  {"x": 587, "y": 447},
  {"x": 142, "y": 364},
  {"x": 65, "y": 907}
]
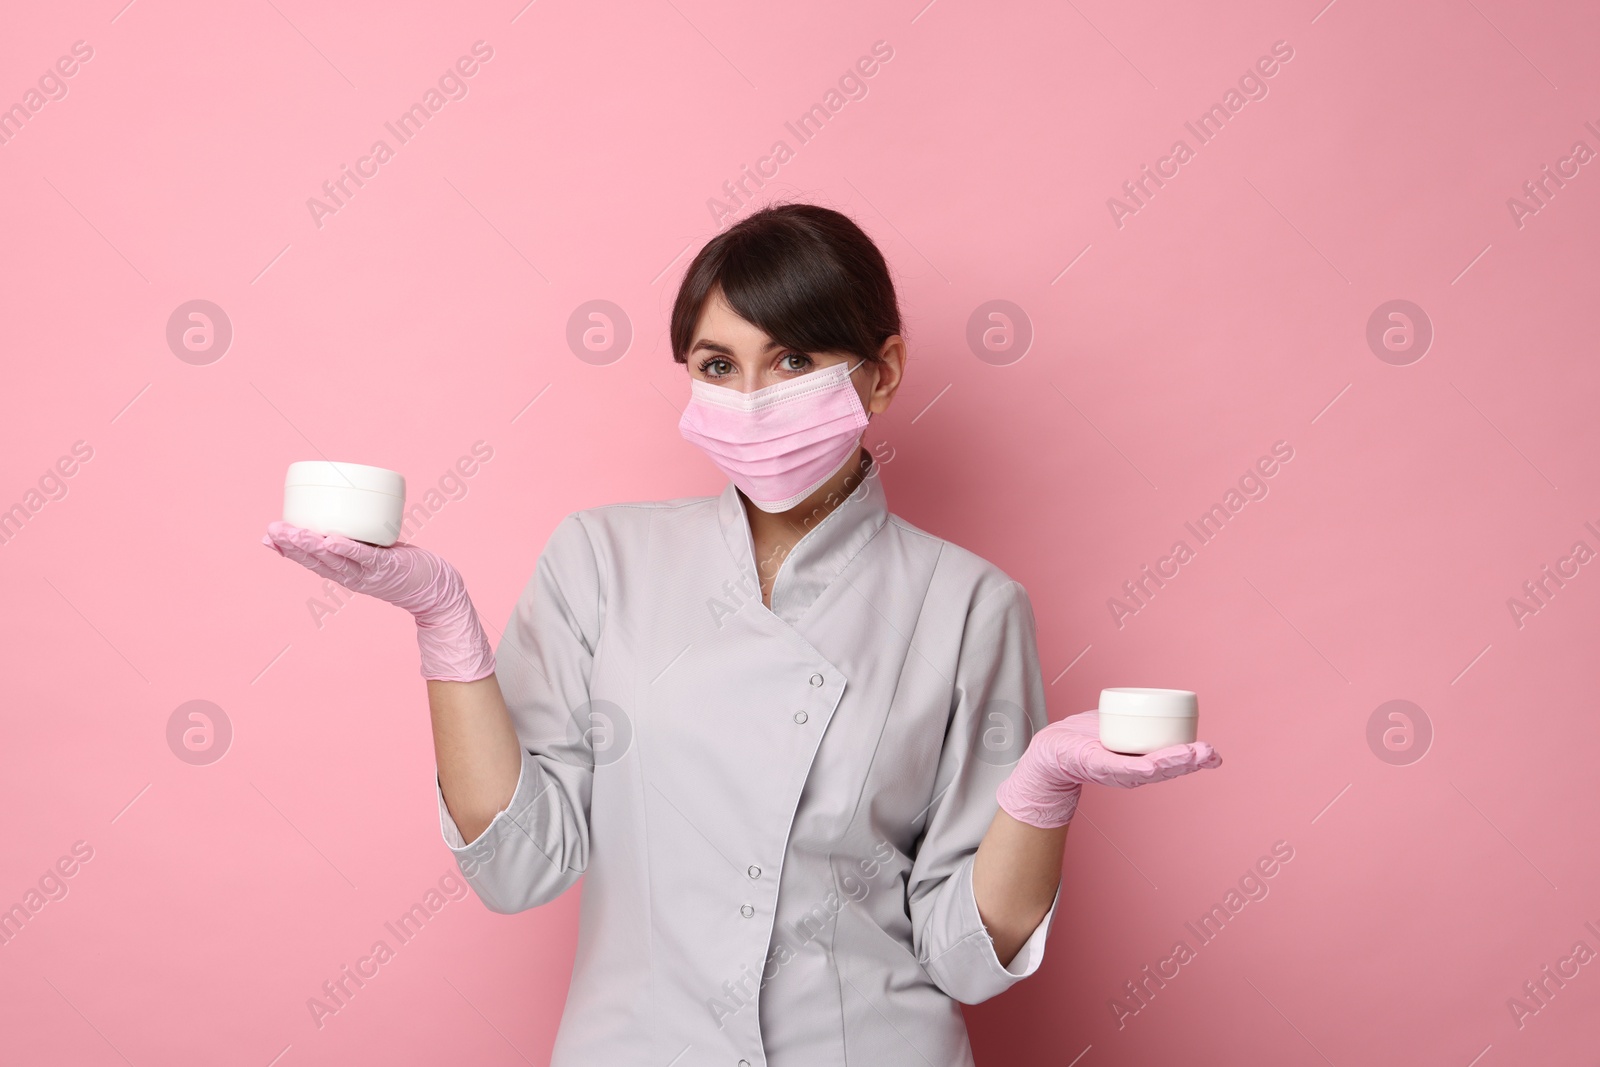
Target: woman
[{"x": 798, "y": 745}]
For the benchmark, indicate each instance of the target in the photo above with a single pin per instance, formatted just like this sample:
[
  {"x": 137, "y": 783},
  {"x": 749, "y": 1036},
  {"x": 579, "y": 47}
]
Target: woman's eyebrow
[{"x": 722, "y": 349}]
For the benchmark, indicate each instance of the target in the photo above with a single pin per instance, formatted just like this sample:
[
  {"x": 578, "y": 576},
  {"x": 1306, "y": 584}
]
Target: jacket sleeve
[
  {"x": 999, "y": 705},
  {"x": 537, "y": 847}
]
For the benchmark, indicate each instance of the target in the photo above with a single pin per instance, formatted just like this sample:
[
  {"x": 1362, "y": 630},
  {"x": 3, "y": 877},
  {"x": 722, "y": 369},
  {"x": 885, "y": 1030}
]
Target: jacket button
[
  {"x": 800, "y": 716},
  {"x": 744, "y": 1063},
  {"x": 816, "y": 679},
  {"x": 755, "y": 872},
  {"x": 747, "y": 911}
]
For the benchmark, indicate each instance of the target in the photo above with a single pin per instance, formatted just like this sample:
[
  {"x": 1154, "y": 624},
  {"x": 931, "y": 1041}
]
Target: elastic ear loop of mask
[{"x": 851, "y": 371}]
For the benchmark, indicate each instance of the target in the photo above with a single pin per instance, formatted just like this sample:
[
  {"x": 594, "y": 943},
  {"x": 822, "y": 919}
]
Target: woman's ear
[{"x": 891, "y": 368}]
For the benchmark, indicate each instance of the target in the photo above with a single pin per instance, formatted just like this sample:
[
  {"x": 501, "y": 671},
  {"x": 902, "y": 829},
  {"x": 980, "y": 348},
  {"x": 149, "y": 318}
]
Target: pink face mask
[{"x": 780, "y": 443}]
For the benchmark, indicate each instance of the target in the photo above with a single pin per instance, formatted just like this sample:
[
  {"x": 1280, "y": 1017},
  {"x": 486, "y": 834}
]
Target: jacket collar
[{"x": 821, "y": 554}]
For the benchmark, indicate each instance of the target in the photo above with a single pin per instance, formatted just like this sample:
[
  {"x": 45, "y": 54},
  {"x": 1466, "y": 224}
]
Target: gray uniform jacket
[{"x": 776, "y": 809}]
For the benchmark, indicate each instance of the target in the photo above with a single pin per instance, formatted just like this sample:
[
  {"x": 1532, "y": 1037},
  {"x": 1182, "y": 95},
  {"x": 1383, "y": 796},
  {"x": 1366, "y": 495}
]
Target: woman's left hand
[{"x": 1043, "y": 789}]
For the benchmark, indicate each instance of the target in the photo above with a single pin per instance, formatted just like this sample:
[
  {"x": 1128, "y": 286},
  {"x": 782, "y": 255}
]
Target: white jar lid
[
  {"x": 1173, "y": 703},
  {"x": 346, "y": 476}
]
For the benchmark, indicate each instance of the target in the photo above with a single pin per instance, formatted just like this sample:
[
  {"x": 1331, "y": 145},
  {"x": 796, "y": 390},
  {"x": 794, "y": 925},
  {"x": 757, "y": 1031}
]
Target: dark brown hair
[{"x": 805, "y": 274}]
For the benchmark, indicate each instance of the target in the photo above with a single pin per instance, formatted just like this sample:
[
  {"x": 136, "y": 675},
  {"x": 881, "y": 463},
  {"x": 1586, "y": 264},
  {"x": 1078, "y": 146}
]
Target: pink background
[{"x": 1228, "y": 313}]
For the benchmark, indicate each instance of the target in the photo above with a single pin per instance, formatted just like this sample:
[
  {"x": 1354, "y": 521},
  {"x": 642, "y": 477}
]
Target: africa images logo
[
  {"x": 1252, "y": 85},
  {"x": 452, "y": 85}
]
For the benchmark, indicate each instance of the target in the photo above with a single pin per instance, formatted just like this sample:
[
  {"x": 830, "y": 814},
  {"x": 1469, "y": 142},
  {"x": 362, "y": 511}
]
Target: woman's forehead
[{"x": 722, "y": 329}]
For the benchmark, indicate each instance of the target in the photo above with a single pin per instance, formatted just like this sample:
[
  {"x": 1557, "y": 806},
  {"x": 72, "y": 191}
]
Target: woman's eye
[{"x": 720, "y": 366}]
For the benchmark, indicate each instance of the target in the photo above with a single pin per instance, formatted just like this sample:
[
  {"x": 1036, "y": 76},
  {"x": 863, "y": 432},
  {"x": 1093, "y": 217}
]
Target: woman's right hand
[{"x": 453, "y": 645}]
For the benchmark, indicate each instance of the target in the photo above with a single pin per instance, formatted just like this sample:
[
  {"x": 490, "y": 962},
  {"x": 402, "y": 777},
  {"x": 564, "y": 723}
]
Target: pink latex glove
[
  {"x": 1044, "y": 786},
  {"x": 454, "y": 646}
]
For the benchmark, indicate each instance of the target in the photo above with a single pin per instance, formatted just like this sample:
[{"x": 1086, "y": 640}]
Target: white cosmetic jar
[
  {"x": 350, "y": 499},
  {"x": 1136, "y": 721}
]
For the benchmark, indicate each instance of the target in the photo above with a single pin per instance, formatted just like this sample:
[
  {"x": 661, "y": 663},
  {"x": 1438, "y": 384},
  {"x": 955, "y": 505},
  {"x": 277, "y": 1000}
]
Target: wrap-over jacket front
[{"x": 776, "y": 809}]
